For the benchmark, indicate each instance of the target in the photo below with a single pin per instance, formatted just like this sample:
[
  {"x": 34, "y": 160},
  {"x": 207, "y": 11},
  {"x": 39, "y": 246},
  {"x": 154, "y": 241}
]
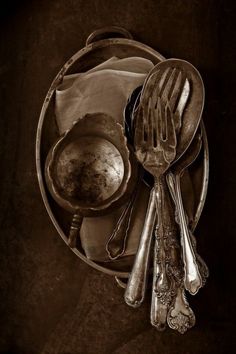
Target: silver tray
[{"x": 99, "y": 47}]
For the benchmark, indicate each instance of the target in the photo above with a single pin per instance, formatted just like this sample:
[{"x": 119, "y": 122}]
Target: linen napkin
[{"x": 105, "y": 88}]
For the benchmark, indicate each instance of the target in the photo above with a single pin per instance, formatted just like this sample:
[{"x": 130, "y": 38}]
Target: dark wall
[{"x": 51, "y": 302}]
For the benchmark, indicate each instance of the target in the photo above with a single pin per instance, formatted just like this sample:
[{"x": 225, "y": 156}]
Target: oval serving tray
[{"x": 100, "y": 47}]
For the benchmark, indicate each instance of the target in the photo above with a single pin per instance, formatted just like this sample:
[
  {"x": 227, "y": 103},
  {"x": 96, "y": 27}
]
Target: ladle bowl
[{"x": 88, "y": 168}]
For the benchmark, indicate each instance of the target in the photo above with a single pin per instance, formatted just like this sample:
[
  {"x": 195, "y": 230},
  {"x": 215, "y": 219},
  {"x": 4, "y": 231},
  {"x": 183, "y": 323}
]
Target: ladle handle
[
  {"x": 116, "y": 244},
  {"x": 135, "y": 290},
  {"x": 75, "y": 230},
  {"x": 108, "y": 32}
]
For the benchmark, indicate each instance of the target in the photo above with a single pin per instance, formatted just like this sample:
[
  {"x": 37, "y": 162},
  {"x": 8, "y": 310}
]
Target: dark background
[{"x": 51, "y": 302}]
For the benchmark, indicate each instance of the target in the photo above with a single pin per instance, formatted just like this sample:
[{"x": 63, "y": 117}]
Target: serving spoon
[
  {"x": 180, "y": 316},
  {"x": 195, "y": 269}
]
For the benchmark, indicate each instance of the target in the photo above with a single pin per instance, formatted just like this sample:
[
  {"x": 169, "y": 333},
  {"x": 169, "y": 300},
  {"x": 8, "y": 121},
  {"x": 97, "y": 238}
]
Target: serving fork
[{"x": 156, "y": 141}]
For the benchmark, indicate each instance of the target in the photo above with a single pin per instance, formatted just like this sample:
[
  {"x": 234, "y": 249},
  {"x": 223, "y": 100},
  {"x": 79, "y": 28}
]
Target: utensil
[
  {"x": 88, "y": 169},
  {"x": 116, "y": 244},
  {"x": 134, "y": 295},
  {"x": 155, "y": 145},
  {"x": 137, "y": 283},
  {"x": 195, "y": 269}
]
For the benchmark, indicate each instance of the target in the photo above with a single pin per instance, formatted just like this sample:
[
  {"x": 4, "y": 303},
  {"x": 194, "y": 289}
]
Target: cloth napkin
[{"x": 105, "y": 88}]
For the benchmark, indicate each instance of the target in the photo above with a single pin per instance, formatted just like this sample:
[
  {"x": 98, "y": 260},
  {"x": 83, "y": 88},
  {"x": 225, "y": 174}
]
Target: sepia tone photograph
[{"x": 118, "y": 177}]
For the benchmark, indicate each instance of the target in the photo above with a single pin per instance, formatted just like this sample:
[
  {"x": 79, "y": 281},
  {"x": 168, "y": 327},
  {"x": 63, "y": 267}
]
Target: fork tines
[{"x": 170, "y": 85}]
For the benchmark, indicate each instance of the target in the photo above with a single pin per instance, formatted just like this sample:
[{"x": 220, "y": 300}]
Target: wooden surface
[{"x": 51, "y": 302}]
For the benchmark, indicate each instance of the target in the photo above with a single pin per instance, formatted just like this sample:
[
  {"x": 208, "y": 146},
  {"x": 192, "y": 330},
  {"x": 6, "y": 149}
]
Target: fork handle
[
  {"x": 137, "y": 283},
  {"x": 163, "y": 287}
]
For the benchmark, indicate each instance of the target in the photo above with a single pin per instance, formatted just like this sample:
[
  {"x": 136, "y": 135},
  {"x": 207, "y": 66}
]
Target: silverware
[
  {"x": 195, "y": 269},
  {"x": 155, "y": 145},
  {"x": 138, "y": 278},
  {"x": 180, "y": 316},
  {"x": 116, "y": 244},
  {"x": 191, "y": 81},
  {"x": 137, "y": 282}
]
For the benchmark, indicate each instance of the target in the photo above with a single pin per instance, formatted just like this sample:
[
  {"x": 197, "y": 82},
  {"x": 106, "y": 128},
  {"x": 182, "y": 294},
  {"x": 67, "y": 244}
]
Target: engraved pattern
[
  {"x": 167, "y": 291},
  {"x": 165, "y": 295},
  {"x": 181, "y": 322}
]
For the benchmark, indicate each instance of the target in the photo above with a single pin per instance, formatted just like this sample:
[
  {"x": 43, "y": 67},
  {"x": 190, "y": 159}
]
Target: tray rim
[{"x": 78, "y": 55}]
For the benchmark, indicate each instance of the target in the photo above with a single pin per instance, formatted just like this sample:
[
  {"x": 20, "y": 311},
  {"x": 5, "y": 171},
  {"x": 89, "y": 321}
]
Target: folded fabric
[{"x": 105, "y": 88}]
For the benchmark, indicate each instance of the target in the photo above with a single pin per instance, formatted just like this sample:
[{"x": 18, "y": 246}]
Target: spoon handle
[
  {"x": 192, "y": 278},
  {"x": 116, "y": 244},
  {"x": 180, "y": 316},
  {"x": 135, "y": 290}
]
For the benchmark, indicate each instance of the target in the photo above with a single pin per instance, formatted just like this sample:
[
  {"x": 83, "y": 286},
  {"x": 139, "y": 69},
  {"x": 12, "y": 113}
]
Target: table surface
[{"x": 51, "y": 302}]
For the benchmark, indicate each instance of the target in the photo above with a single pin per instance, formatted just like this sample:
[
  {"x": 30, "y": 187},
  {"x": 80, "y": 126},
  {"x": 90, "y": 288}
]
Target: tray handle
[
  {"x": 75, "y": 229},
  {"x": 120, "y": 282},
  {"x": 108, "y": 32}
]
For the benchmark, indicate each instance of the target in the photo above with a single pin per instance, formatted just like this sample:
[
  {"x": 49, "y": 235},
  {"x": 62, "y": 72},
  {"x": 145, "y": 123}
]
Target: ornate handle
[
  {"x": 163, "y": 286},
  {"x": 74, "y": 230},
  {"x": 180, "y": 316},
  {"x": 204, "y": 271},
  {"x": 108, "y": 32},
  {"x": 192, "y": 279},
  {"x": 116, "y": 244},
  {"x": 135, "y": 290}
]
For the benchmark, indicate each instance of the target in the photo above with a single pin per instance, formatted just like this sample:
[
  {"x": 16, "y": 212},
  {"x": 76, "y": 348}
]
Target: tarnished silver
[
  {"x": 135, "y": 289},
  {"x": 85, "y": 172},
  {"x": 116, "y": 244},
  {"x": 195, "y": 269},
  {"x": 108, "y": 32},
  {"x": 155, "y": 146},
  {"x": 169, "y": 82},
  {"x": 46, "y": 135},
  {"x": 180, "y": 316},
  {"x": 83, "y": 60},
  {"x": 137, "y": 281}
]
